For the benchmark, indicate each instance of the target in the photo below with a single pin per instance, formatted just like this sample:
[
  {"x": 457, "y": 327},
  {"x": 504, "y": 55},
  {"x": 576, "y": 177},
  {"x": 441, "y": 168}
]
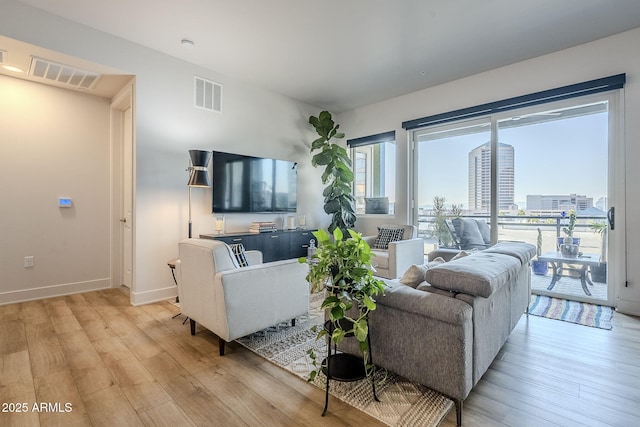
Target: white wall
[
  {"x": 254, "y": 121},
  {"x": 605, "y": 57},
  {"x": 55, "y": 143}
]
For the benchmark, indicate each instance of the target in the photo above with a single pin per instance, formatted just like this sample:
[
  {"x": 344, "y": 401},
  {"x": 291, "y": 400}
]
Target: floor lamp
[{"x": 198, "y": 174}]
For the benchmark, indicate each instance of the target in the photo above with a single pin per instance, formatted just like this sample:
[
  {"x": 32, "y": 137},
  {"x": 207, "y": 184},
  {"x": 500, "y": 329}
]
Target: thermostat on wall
[{"x": 64, "y": 202}]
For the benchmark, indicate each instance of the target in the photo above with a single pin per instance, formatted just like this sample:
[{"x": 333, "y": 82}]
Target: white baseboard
[
  {"x": 148, "y": 297},
  {"x": 628, "y": 307},
  {"x": 23, "y": 295}
]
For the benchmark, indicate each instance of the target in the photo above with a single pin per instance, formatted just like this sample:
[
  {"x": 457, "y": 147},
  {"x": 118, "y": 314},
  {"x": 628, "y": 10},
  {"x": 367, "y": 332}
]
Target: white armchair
[
  {"x": 392, "y": 262},
  {"x": 234, "y": 301}
]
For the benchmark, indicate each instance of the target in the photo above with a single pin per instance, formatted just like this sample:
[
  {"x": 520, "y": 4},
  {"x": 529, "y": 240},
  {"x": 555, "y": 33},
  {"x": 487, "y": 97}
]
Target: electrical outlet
[{"x": 28, "y": 261}]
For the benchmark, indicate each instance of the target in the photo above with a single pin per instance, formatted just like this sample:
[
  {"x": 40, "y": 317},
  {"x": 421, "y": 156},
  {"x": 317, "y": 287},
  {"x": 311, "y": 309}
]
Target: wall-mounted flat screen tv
[{"x": 252, "y": 184}]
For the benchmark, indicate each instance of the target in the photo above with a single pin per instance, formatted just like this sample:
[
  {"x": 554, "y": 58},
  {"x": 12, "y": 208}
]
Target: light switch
[{"x": 64, "y": 202}]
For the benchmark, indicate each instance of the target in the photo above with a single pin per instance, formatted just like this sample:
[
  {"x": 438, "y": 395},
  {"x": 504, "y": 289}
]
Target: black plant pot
[{"x": 599, "y": 273}]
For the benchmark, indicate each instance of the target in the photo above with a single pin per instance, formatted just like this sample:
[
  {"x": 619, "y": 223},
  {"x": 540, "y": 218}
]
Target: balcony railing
[{"x": 525, "y": 228}]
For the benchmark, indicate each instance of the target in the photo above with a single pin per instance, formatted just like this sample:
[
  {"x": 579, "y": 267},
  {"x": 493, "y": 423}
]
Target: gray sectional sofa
[{"x": 444, "y": 331}]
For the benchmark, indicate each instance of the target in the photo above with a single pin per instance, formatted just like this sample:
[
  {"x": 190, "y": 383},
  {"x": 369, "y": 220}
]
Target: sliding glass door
[
  {"x": 452, "y": 178},
  {"x": 522, "y": 176},
  {"x": 562, "y": 166}
]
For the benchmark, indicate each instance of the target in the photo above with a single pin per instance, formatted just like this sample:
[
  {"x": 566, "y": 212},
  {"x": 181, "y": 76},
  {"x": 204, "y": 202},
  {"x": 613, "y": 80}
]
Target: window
[{"x": 374, "y": 164}]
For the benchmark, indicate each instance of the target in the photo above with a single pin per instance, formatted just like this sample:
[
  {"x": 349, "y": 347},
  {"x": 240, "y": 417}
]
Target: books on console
[{"x": 262, "y": 227}]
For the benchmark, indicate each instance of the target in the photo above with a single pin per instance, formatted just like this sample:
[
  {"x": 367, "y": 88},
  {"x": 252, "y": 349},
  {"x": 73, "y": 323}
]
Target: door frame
[
  {"x": 617, "y": 191},
  {"x": 120, "y": 103}
]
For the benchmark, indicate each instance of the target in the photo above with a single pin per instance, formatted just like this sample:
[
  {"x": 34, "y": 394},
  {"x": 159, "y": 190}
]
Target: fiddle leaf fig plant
[
  {"x": 338, "y": 197},
  {"x": 344, "y": 265}
]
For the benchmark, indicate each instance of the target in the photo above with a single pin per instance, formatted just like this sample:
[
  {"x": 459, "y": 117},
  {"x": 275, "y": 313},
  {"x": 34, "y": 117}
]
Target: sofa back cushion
[
  {"x": 520, "y": 250},
  {"x": 206, "y": 256},
  {"x": 484, "y": 230},
  {"x": 479, "y": 274}
]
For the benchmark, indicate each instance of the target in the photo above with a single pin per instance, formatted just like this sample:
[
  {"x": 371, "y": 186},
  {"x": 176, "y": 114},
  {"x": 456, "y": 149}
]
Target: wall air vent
[
  {"x": 3, "y": 56},
  {"x": 208, "y": 94},
  {"x": 63, "y": 74}
]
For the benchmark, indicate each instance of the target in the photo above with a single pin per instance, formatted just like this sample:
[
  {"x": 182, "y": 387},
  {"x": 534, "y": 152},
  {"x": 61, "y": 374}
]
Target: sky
[{"x": 555, "y": 157}]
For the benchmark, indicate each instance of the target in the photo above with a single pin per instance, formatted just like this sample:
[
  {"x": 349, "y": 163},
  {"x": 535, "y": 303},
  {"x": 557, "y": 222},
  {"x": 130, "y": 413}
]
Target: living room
[{"x": 255, "y": 121}]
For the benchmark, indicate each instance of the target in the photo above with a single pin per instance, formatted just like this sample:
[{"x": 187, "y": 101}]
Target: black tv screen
[{"x": 252, "y": 184}]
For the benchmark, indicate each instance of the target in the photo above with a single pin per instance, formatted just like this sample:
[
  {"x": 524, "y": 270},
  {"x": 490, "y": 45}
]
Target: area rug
[
  {"x": 596, "y": 316},
  {"x": 402, "y": 402}
]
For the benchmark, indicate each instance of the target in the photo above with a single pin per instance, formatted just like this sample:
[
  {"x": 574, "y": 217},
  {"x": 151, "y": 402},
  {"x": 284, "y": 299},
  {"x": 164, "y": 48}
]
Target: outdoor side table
[{"x": 584, "y": 261}]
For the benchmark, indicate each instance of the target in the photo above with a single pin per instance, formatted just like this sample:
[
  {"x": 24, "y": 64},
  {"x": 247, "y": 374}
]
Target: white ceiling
[{"x": 341, "y": 54}]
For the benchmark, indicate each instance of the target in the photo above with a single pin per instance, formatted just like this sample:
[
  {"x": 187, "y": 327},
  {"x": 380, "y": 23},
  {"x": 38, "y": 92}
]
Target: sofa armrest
[{"x": 424, "y": 337}]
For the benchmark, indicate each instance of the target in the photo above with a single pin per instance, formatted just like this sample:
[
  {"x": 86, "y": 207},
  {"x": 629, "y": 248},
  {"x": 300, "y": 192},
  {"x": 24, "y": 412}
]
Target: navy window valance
[
  {"x": 579, "y": 89},
  {"x": 372, "y": 139}
]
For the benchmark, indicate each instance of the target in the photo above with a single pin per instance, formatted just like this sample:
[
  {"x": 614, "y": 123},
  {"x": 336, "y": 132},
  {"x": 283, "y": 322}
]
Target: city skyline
[{"x": 567, "y": 156}]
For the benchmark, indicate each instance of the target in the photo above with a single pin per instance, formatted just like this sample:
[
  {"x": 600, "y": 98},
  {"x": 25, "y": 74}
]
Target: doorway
[{"x": 123, "y": 220}]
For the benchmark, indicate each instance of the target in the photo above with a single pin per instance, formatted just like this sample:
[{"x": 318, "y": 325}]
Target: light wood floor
[{"x": 119, "y": 365}]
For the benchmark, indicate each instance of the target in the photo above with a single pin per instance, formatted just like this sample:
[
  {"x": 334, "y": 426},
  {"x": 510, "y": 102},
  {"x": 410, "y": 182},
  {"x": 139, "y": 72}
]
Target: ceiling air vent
[
  {"x": 63, "y": 74},
  {"x": 208, "y": 94}
]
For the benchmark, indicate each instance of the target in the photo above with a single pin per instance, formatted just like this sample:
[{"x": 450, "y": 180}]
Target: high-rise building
[{"x": 480, "y": 178}]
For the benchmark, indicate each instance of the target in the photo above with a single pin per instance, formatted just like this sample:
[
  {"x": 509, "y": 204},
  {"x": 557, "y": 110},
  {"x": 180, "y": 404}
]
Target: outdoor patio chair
[{"x": 469, "y": 233}]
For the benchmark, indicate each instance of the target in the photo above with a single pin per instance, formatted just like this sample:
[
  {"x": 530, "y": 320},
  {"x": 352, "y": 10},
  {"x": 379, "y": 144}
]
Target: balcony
[{"x": 524, "y": 228}]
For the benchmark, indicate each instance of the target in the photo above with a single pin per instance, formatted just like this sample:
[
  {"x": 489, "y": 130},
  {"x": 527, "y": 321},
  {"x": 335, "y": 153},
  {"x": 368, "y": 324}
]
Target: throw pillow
[
  {"x": 436, "y": 261},
  {"x": 485, "y": 232},
  {"x": 387, "y": 235},
  {"x": 459, "y": 255},
  {"x": 238, "y": 252},
  {"x": 415, "y": 274}
]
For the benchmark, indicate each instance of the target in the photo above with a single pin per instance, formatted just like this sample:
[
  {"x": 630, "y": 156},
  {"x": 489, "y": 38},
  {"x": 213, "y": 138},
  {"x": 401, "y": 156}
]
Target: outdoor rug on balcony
[
  {"x": 596, "y": 316},
  {"x": 402, "y": 402}
]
